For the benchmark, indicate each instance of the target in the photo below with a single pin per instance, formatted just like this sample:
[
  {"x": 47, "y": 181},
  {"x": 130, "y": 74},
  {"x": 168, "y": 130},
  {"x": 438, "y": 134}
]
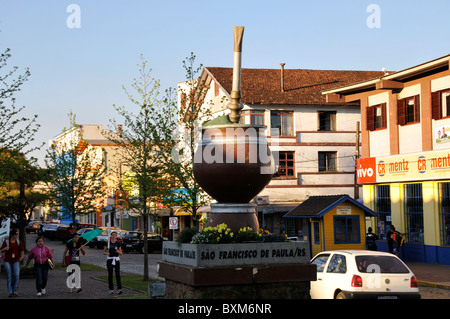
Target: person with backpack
[
  {"x": 14, "y": 252},
  {"x": 371, "y": 239},
  {"x": 395, "y": 240}
]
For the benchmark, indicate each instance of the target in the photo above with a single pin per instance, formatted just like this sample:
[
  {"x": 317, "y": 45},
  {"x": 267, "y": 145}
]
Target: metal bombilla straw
[{"x": 235, "y": 105}]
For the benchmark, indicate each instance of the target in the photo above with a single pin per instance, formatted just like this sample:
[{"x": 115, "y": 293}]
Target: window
[
  {"x": 286, "y": 164},
  {"x": 383, "y": 209},
  {"x": 380, "y": 265},
  {"x": 414, "y": 212},
  {"x": 254, "y": 117},
  {"x": 444, "y": 203},
  {"x": 408, "y": 110},
  {"x": 316, "y": 233},
  {"x": 320, "y": 262},
  {"x": 327, "y": 161},
  {"x": 282, "y": 123},
  {"x": 327, "y": 120},
  {"x": 376, "y": 117},
  {"x": 346, "y": 230},
  {"x": 440, "y": 104},
  {"x": 337, "y": 264}
]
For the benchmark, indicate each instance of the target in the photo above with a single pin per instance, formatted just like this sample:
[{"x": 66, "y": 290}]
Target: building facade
[
  {"x": 405, "y": 163},
  {"x": 315, "y": 141}
]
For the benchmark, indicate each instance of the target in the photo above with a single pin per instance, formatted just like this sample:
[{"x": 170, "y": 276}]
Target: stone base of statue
[{"x": 237, "y": 271}]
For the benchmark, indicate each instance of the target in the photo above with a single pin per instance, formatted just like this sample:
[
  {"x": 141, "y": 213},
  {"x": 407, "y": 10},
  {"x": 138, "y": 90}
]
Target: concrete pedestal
[
  {"x": 235, "y": 216},
  {"x": 237, "y": 271},
  {"x": 247, "y": 282}
]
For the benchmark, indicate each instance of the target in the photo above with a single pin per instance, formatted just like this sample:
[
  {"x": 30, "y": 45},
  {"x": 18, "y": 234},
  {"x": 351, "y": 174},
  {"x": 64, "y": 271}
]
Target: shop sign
[
  {"x": 411, "y": 167},
  {"x": 344, "y": 210}
]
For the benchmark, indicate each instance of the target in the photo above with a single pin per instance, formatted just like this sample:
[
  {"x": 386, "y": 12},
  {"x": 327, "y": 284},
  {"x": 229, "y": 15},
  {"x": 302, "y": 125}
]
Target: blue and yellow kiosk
[{"x": 334, "y": 222}]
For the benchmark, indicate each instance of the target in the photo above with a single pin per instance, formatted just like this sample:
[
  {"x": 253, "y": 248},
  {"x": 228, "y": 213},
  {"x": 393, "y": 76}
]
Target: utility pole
[{"x": 356, "y": 191}]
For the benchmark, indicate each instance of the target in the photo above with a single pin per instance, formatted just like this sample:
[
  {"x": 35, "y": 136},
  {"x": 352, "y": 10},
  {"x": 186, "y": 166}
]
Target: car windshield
[
  {"x": 380, "y": 264},
  {"x": 320, "y": 261},
  {"x": 132, "y": 235}
]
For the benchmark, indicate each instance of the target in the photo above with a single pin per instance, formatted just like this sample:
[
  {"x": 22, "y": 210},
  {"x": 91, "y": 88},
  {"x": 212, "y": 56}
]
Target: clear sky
[{"x": 82, "y": 69}]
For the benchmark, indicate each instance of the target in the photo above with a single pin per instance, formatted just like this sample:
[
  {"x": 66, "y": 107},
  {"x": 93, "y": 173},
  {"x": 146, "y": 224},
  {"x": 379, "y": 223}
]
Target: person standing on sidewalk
[
  {"x": 14, "y": 252},
  {"x": 371, "y": 239},
  {"x": 72, "y": 252},
  {"x": 40, "y": 253},
  {"x": 113, "y": 252}
]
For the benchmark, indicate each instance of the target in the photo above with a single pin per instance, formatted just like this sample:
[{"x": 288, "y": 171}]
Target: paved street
[{"x": 133, "y": 263}]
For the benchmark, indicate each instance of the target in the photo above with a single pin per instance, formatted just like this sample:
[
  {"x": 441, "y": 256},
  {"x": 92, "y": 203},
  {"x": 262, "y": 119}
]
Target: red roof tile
[{"x": 263, "y": 86}]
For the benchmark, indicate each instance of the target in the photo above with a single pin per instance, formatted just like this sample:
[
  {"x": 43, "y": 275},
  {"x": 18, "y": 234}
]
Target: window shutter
[
  {"x": 383, "y": 116},
  {"x": 417, "y": 108},
  {"x": 401, "y": 112},
  {"x": 436, "y": 105},
  {"x": 370, "y": 118}
]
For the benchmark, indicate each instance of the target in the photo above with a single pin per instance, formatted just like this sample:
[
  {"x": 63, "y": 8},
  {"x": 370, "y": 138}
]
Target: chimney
[
  {"x": 282, "y": 76},
  {"x": 119, "y": 130}
]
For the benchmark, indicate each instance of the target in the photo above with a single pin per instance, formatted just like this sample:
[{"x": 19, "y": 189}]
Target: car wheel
[{"x": 341, "y": 295}]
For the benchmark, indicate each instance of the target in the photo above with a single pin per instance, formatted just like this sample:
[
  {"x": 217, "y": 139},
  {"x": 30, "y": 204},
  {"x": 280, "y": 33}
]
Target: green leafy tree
[
  {"x": 18, "y": 198},
  {"x": 16, "y": 130},
  {"x": 178, "y": 155},
  {"x": 138, "y": 146}
]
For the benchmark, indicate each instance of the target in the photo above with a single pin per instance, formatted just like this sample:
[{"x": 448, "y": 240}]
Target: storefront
[{"x": 411, "y": 192}]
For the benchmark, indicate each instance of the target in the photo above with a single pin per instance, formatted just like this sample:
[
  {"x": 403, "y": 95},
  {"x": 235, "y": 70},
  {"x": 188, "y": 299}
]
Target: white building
[{"x": 317, "y": 140}]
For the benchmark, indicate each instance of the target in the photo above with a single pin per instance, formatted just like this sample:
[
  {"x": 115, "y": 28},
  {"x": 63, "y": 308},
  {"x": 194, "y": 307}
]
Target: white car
[{"x": 349, "y": 274}]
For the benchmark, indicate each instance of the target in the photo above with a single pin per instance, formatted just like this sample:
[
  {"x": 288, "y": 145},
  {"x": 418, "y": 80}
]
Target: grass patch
[
  {"x": 84, "y": 267},
  {"x": 132, "y": 281}
]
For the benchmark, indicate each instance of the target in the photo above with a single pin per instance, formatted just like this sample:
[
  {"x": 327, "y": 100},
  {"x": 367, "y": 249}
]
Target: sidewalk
[
  {"x": 92, "y": 288},
  {"x": 432, "y": 275}
]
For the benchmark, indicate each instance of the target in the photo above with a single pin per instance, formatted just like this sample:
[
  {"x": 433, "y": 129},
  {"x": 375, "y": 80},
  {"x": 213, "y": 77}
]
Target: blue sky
[{"x": 83, "y": 69}]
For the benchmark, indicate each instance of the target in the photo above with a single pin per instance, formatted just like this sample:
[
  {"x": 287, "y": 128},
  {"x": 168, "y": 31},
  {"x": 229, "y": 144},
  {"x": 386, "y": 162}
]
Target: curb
[{"x": 433, "y": 284}]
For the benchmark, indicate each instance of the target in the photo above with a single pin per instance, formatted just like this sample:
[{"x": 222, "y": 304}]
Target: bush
[
  {"x": 219, "y": 234},
  {"x": 186, "y": 235},
  {"x": 247, "y": 234}
]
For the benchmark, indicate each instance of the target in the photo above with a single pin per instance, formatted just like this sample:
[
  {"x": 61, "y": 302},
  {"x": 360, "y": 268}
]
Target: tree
[
  {"x": 16, "y": 131},
  {"x": 76, "y": 170},
  {"x": 138, "y": 146},
  {"x": 178, "y": 155},
  {"x": 17, "y": 197}
]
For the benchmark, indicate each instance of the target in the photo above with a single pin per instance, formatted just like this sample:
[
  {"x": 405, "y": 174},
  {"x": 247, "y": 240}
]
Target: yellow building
[
  {"x": 335, "y": 222},
  {"x": 405, "y": 162}
]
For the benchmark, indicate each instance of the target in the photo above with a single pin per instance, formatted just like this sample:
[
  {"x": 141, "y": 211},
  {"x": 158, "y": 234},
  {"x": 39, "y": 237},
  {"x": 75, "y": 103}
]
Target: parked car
[
  {"x": 362, "y": 274},
  {"x": 32, "y": 226},
  {"x": 65, "y": 233},
  {"x": 84, "y": 230},
  {"x": 135, "y": 241},
  {"x": 49, "y": 231},
  {"x": 101, "y": 240}
]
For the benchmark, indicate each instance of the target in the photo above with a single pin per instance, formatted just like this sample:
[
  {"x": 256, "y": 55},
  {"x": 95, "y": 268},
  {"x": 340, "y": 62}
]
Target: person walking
[
  {"x": 14, "y": 252},
  {"x": 71, "y": 256},
  {"x": 394, "y": 240},
  {"x": 371, "y": 239},
  {"x": 41, "y": 254},
  {"x": 113, "y": 251}
]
